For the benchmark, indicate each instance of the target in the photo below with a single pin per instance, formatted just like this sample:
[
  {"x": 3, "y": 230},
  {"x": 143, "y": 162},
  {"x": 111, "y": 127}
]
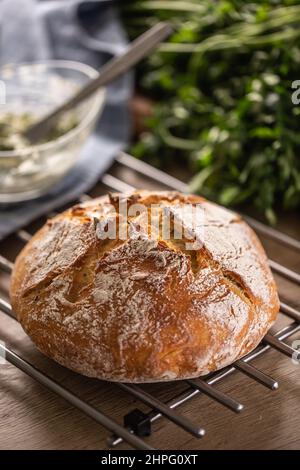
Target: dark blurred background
[
  {"x": 219, "y": 97},
  {"x": 214, "y": 100}
]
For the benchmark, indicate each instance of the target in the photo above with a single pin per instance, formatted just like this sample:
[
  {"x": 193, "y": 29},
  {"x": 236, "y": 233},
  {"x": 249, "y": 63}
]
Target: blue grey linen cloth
[{"x": 85, "y": 31}]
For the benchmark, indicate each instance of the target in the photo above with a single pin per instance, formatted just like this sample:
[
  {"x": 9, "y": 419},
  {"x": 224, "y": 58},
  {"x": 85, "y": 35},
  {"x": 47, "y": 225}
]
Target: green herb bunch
[{"x": 222, "y": 86}]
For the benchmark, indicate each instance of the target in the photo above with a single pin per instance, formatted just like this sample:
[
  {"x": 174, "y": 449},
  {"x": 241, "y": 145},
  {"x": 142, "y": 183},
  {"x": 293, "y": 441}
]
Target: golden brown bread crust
[{"x": 140, "y": 311}]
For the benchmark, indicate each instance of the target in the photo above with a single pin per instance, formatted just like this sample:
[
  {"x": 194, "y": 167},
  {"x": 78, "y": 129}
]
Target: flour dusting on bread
[{"x": 144, "y": 308}]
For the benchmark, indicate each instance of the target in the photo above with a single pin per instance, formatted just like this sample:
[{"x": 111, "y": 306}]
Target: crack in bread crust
[{"x": 144, "y": 309}]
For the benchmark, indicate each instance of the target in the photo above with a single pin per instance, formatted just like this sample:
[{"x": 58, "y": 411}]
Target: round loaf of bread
[{"x": 144, "y": 305}]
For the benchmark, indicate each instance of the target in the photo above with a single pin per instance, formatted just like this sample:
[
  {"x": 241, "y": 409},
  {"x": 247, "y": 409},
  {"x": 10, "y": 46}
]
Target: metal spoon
[{"x": 113, "y": 69}]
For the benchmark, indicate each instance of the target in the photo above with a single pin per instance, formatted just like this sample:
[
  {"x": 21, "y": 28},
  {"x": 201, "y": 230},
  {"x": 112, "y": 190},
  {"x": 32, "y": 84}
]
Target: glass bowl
[{"x": 36, "y": 89}]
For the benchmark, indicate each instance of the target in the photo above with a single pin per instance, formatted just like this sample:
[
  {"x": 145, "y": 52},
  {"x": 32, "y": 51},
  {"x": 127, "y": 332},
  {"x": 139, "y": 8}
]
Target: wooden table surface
[{"x": 34, "y": 418}]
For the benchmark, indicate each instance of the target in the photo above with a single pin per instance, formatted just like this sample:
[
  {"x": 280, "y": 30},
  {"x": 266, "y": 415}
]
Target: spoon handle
[{"x": 113, "y": 69}]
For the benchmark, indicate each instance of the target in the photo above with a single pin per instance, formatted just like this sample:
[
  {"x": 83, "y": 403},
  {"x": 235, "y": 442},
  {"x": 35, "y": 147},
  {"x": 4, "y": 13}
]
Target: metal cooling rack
[{"x": 137, "y": 424}]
